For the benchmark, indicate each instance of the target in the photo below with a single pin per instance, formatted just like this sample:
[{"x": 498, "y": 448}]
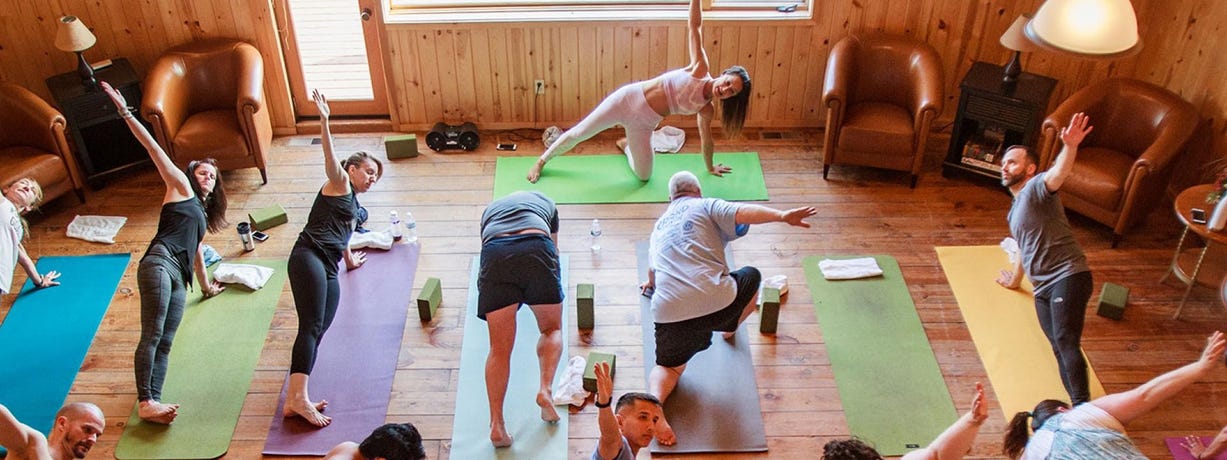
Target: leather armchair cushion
[
  {"x": 22, "y": 161},
  {"x": 213, "y": 133},
  {"x": 876, "y": 127},
  {"x": 1097, "y": 176}
]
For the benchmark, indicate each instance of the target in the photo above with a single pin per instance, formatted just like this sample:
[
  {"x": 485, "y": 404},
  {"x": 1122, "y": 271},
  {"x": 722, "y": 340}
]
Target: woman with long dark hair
[
  {"x": 192, "y": 203},
  {"x": 640, "y": 106}
]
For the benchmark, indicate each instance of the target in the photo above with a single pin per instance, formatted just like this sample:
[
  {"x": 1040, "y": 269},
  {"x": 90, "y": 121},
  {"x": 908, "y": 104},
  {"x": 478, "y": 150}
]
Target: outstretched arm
[
  {"x": 21, "y": 440},
  {"x": 43, "y": 281},
  {"x": 1129, "y": 405},
  {"x": 338, "y": 181},
  {"x": 209, "y": 288},
  {"x": 708, "y": 146},
  {"x": 1071, "y": 137},
  {"x": 611, "y": 436},
  {"x": 177, "y": 186},
  {"x": 694, "y": 24},
  {"x": 1011, "y": 278},
  {"x": 755, "y": 214},
  {"x": 1201, "y": 451},
  {"x": 954, "y": 443}
]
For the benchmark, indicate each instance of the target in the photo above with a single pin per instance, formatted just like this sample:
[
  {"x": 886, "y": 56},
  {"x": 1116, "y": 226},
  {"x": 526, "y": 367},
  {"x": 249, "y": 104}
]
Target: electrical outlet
[{"x": 539, "y": 86}]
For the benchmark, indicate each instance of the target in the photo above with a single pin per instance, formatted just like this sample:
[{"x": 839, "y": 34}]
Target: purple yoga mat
[
  {"x": 357, "y": 356},
  {"x": 1180, "y": 453}
]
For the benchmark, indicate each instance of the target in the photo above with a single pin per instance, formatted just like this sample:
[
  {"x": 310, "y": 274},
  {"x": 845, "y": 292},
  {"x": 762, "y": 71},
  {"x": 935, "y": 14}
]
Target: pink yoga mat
[
  {"x": 357, "y": 356},
  {"x": 1180, "y": 453}
]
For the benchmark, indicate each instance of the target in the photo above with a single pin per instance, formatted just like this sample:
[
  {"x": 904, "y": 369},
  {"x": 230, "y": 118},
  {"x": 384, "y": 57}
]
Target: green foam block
[
  {"x": 429, "y": 299},
  {"x": 769, "y": 313},
  {"x": 401, "y": 146},
  {"x": 266, "y": 218},
  {"x": 583, "y": 303},
  {"x": 1112, "y": 300},
  {"x": 595, "y": 357}
]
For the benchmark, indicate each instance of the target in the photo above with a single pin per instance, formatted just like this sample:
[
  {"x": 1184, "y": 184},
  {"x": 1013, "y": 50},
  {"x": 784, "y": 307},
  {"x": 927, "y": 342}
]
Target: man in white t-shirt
[{"x": 693, "y": 292}]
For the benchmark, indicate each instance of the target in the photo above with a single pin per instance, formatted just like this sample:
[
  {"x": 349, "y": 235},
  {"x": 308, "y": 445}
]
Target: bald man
[{"x": 77, "y": 427}]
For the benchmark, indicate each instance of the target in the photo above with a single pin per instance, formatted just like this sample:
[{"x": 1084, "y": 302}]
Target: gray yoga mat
[{"x": 715, "y": 405}]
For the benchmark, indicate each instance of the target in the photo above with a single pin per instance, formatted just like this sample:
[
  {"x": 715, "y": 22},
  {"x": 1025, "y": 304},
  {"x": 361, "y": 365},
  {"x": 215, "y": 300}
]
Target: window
[{"x": 428, "y": 11}]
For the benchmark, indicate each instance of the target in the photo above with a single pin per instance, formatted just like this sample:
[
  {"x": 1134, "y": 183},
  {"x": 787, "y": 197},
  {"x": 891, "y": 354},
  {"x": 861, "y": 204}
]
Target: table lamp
[
  {"x": 1087, "y": 28},
  {"x": 73, "y": 36},
  {"x": 1015, "y": 39}
]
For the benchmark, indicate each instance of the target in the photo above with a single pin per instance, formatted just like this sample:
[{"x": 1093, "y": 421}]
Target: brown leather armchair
[
  {"x": 32, "y": 144},
  {"x": 1123, "y": 165},
  {"x": 206, "y": 99},
  {"x": 882, "y": 93}
]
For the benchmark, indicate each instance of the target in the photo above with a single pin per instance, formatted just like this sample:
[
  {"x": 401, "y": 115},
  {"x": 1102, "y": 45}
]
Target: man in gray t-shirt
[
  {"x": 693, "y": 292},
  {"x": 1049, "y": 255}
]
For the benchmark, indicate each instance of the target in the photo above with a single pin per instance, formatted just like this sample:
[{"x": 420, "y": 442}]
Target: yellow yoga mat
[{"x": 1007, "y": 334}]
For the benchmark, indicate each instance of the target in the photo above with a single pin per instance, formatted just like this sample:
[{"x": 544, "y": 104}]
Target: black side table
[
  {"x": 104, "y": 145},
  {"x": 992, "y": 116}
]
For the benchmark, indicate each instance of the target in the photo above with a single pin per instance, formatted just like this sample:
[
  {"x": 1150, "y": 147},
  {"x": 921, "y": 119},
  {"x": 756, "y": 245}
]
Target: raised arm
[
  {"x": 177, "y": 186},
  {"x": 954, "y": 443},
  {"x": 755, "y": 214},
  {"x": 21, "y": 440},
  {"x": 694, "y": 26},
  {"x": 611, "y": 436},
  {"x": 1129, "y": 405},
  {"x": 1071, "y": 137},
  {"x": 338, "y": 181}
]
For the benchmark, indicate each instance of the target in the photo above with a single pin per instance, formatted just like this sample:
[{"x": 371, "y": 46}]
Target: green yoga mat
[
  {"x": 211, "y": 365},
  {"x": 889, "y": 383},
  {"x": 534, "y": 438},
  {"x": 608, "y": 179},
  {"x": 47, "y": 333}
]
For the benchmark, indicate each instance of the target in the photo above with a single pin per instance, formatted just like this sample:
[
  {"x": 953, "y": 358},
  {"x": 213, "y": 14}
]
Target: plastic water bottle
[
  {"x": 395, "y": 227},
  {"x": 596, "y": 235},
  {"x": 412, "y": 227}
]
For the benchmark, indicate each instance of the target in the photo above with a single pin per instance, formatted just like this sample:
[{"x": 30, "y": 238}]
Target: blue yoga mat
[{"x": 46, "y": 334}]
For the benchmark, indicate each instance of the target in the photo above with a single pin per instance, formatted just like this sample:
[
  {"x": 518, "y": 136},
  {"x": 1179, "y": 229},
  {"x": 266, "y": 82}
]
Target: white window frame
[{"x": 495, "y": 11}]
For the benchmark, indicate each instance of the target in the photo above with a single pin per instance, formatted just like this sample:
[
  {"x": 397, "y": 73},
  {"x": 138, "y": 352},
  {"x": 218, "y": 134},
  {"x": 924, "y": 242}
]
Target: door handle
[{"x": 366, "y": 14}]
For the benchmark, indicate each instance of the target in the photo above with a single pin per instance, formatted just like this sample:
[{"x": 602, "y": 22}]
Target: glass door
[{"x": 333, "y": 46}]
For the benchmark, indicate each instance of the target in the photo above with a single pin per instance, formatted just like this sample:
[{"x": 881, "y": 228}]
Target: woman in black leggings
[
  {"x": 189, "y": 206},
  {"x": 313, "y": 262}
]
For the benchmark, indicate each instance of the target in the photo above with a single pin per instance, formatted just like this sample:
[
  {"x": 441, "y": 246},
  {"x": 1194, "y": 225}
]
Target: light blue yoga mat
[
  {"x": 534, "y": 438},
  {"x": 46, "y": 334}
]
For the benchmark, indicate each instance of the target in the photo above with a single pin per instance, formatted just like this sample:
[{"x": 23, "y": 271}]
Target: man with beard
[
  {"x": 1050, "y": 256},
  {"x": 77, "y": 427}
]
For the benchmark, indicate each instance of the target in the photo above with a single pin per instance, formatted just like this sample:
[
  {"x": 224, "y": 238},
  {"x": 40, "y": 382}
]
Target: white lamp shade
[
  {"x": 1015, "y": 39},
  {"x": 73, "y": 35},
  {"x": 1101, "y": 28}
]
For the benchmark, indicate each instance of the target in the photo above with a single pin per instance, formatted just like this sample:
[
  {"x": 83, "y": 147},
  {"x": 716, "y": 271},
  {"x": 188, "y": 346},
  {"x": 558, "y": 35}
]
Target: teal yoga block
[
  {"x": 595, "y": 357},
  {"x": 401, "y": 146},
  {"x": 1112, "y": 300},
  {"x": 429, "y": 299},
  {"x": 266, "y": 218},
  {"x": 769, "y": 313},
  {"x": 586, "y": 316}
]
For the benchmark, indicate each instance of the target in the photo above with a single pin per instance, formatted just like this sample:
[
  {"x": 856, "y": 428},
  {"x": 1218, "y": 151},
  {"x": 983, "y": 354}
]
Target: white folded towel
[
  {"x": 1010, "y": 246},
  {"x": 99, "y": 229},
  {"x": 848, "y": 269},
  {"x": 252, "y": 276},
  {"x": 377, "y": 240},
  {"x": 569, "y": 389}
]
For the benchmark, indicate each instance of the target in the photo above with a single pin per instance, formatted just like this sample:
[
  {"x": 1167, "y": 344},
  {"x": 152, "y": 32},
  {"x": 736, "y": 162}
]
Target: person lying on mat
[
  {"x": 393, "y": 441},
  {"x": 640, "y": 106},
  {"x": 1049, "y": 255},
  {"x": 20, "y": 197},
  {"x": 519, "y": 265},
  {"x": 693, "y": 293},
  {"x": 952, "y": 444},
  {"x": 632, "y": 427},
  {"x": 1097, "y": 429},
  {"x": 76, "y": 429},
  {"x": 1206, "y": 451},
  {"x": 312, "y": 267},
  {"x": 194, "y": 200}
]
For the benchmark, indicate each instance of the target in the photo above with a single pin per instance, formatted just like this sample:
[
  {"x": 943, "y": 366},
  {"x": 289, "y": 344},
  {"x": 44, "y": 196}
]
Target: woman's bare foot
[
  {"x": 499, "y": 436},
  {"x": 664, "y": 433},
  {"x": 308, "y": 411},
  {"x": 545, "y": 399},
  {"x": 156, "y": 412}
]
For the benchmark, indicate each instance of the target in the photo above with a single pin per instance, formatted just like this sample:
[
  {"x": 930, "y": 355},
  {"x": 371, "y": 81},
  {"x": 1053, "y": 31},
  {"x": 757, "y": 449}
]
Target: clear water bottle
[
  {"x": 412, "y": 227},
  {"x": 596, "y": 235},
  {"x": 395, "y": 227}
]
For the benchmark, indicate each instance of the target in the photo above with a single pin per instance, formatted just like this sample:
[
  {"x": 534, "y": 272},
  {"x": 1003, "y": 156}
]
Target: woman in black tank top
[
  {"x": 324, "y": 241},
  {"x": 192, "y": 203}
]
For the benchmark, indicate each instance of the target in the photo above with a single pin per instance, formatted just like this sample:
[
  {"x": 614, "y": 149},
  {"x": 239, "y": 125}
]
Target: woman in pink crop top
[{"x": 640, "y": 106}]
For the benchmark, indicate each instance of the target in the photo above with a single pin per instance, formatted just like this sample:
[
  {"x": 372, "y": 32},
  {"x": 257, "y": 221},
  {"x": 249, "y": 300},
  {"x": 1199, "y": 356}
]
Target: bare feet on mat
[
  {"x": 156, "y": 412},
  {"x": 499, "y": 436},
  {"x": 308, "y": 411},
  {"x": 664, "y": 433},
  {"x": 545, "y": 399}
]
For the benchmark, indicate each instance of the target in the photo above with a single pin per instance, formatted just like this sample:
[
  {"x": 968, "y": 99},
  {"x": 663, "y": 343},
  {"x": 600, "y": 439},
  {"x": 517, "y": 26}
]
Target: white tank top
[{"x": 684, "y": 92}]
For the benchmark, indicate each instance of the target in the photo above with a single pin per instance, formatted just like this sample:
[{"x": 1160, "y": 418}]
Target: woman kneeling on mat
[
  {"x": 20, "y": 197},
  {"x": 1096, "y": 429},
  {"x": 189, "y": 206},
  {"x": 640, "y": 106},
  {"x": 519, "y": 265},
  {"x": 323, "y": 242}
]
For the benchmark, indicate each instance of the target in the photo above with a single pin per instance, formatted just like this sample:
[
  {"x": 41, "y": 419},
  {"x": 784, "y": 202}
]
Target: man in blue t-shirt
[
  {"x": 1049, "y": 255},
  {"x": 693, "y": 292}
]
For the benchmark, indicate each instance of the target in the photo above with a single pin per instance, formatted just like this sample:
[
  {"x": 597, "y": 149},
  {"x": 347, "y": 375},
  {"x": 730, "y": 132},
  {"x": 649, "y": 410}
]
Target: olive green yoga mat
[
  {"x": 534, "y": 438},
  {"x": 1007, "y": 334},
  {"x": 889, "y": 383},
  {"x": 211, "y": 365},
  {"x": 578, "y": 179}
]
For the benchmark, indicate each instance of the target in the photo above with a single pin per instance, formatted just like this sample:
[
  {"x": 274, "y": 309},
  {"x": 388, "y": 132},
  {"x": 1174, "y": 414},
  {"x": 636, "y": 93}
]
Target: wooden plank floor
[{"x": 860, "y": 211}]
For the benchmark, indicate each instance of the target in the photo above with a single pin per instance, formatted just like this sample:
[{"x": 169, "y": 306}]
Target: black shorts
[
  {"x": 677, "y": 342},
  {"x": 518, "y": 269}
]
